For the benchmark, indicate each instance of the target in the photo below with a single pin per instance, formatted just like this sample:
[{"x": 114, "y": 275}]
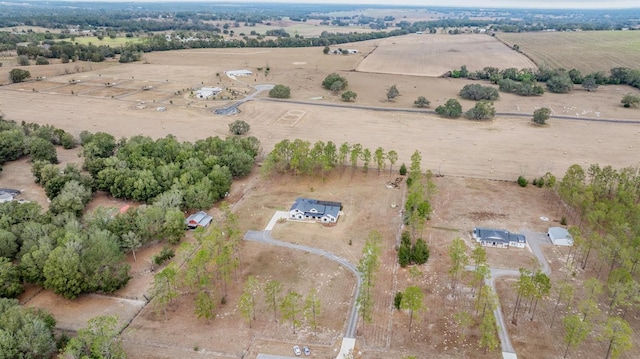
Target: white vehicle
[
  {"x": 306, "y": 350},
  {"x": 297, "y": 351}
]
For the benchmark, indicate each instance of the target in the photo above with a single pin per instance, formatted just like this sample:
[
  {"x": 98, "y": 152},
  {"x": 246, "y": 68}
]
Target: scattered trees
[
  {"x": 590, "y": 84},
  {"x": 412, "y": 300},
  {"x": 367, "y": 267},
  {"x": 280, "y": 91},
  {"x": 239, "y": 127},
  {"x": 541, "y": 115},
  {"x": 290, "y": 307},
  {"x": 18, "y": 75},
  {"x": 451, "y": 109}
]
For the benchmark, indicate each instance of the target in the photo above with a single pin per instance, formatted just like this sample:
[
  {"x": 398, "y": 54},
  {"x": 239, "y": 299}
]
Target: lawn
[{"x": 118, "y": 41}]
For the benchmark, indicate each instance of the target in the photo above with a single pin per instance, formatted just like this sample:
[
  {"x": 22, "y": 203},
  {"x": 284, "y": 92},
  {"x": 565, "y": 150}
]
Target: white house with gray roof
[
  {"x": 499, "y": 238},
  {"x": 306, "y": 209}
]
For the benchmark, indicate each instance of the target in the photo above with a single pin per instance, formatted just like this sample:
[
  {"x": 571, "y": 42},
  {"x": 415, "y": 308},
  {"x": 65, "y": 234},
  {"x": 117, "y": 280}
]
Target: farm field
[
  {"x": 479, "y": 162},
  {"x": 433, "y": 55},
  {"x": 587, "y": 51},
  {"x": 118, "y": 41}
]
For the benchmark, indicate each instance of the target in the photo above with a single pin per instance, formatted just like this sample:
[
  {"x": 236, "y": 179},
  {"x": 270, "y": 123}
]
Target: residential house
[
  {"x": 315, "y": 210},
  {"x": 208, "y": 92},
  {"x": 198, "y": 219},
  {"x": 499, "y": 238}
]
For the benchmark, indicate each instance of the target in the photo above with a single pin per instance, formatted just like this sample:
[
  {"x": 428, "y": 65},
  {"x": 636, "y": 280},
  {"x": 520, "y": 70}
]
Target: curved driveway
[
  {"x": 265, "y": 237},
  {"x": 534, "y": 240}
]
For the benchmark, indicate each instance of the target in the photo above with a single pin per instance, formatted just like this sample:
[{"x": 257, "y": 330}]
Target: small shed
[
  {"x": 198, "y": 219},
  {"x": 560, "y": 236}
]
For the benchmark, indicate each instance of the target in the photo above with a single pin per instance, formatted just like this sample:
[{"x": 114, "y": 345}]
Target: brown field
[
  {"x": 433, "y": 55},
  {"x": 587, "y": 51},
  {"x": 460, "y": 150}
]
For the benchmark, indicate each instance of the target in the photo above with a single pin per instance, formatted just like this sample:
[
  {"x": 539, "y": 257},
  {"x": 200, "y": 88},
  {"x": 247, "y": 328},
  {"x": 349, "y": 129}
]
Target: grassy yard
[{"x": 587, "y": 51}]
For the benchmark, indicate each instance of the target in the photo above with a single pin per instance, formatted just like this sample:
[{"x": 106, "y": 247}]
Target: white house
[
  {"x": 560, "y": 236},
  {"x": 238, "y": 73},
  {"x": 208, "y": 92},
  {"x": 499, "y": 238},
  {"x": 314, "y": 210}
]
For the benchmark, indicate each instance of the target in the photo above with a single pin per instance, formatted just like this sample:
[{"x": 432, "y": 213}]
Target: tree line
[{"x": 300, "y": 157}]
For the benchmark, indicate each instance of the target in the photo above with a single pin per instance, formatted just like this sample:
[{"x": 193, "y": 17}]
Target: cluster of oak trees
[
  {"x": 300, "y": 157},
  {"x": 141, "y": 168}
]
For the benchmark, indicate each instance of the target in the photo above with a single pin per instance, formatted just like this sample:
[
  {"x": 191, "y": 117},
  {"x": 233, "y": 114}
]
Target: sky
[{"x": 540, "y": 4}]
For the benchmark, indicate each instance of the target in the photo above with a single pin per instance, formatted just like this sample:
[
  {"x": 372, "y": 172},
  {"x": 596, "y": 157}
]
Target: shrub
[
  {"x": 523, "y": 182},
  {"x": 239, "y": 127},
  {"x": 19, "y": 75},
  {"x": 563, "y": 221},
  {"x": 397, "y": 300},
  {"x": 541, "y": 115},
  {"x": 280, "y": 91},
  {"x": 23, "y": 60},
  {"x": 629, "y": 100},
  {"x": 421, "y": 102},
  {"x": 539, "y": 183},
  {"x": 165, "y": 254},
  {"x": 479, "y": 92},
  {"x": 560, "y": 84},
  {"x": 334, "y": 77},
  {"x": 348, "y": 96},
  {"x": 41, "y": 60},
  {"x": 451, "y": 109},
  {"x": 483, "y": 110},
  {"x": 403, "y": 169}
]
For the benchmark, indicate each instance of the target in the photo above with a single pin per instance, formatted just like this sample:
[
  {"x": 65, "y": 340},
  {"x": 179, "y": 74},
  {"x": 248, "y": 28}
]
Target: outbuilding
[
  {"x": 560, "y": 236},
  {"x": 198, "y": 219}
]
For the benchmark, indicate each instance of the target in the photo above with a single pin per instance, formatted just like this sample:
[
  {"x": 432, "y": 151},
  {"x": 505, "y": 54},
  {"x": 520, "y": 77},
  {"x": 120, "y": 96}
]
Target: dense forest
[{"x": 72, "y": 251}]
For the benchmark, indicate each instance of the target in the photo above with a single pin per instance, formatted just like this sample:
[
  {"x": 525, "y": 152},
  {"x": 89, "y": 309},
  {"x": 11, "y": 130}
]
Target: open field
[
  {"x": 587, "y": 51},
  {"x": 310, "y": 28},
  {"x": 465, "y": 152},
  {"x": 118, "y": 41},
  {"x": 433, "y": 55}
]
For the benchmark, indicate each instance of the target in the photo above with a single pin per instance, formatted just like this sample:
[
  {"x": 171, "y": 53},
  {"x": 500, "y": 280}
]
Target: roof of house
[
  {"x": 6, "y": 197},
  {"x": 307, "y": 205},
  {"x": 497, "y": 235},
  {"x": 198, "y": 219},
  {"x": 558, "y": 232}
]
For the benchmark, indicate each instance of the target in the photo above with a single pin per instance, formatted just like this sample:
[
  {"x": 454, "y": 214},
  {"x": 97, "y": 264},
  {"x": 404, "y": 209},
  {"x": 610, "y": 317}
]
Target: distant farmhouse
[
  {"x": 340, "y": 51},
  {"x": 560, "y": 236},
  {"x": 499, "y": 238},
  {"x": 208, "y": 92},
  {"x": 199, "y": 219},
  {"x": 314, "y": 210}
]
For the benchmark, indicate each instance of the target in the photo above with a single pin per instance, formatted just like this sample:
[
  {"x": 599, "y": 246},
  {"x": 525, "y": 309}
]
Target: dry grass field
[
  {"x": 433, "y": 55},
  {"x": 466, "y": 153},
  {"x": 587, "y": 51}
]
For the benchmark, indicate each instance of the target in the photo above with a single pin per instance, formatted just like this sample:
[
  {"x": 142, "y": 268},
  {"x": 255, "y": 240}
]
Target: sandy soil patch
[{"x": 433, "y": 55}]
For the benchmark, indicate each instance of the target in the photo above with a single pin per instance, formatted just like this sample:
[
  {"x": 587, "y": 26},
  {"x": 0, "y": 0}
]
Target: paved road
[
  {"x": 265, "y": 237},
  {"x": 534, "y": 240},
  {"x": 233, "y": 109}
]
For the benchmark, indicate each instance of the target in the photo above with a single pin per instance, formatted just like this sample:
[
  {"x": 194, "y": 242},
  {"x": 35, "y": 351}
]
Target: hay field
[
  {"x": 433, "y": 55},
  {"x": 587, "y": 51}
]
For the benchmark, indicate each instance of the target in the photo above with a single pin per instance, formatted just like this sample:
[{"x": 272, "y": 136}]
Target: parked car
[
  {"x": 306, "y": 351},
  {"x": 297, "y": 351}
]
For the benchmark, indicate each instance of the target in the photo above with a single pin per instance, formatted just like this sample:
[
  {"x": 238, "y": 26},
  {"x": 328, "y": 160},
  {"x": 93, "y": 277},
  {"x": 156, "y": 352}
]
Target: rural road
[
  {"x": 265, "y": 237},
  {"x": 534, "y": 240},
  {"x": 233, "y": 108}
]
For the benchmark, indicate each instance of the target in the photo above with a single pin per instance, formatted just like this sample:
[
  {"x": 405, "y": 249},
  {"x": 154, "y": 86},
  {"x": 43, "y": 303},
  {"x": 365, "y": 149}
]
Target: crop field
[
  {"x": 587, "y": 51},
  {"x": 433, "y": 55}
]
